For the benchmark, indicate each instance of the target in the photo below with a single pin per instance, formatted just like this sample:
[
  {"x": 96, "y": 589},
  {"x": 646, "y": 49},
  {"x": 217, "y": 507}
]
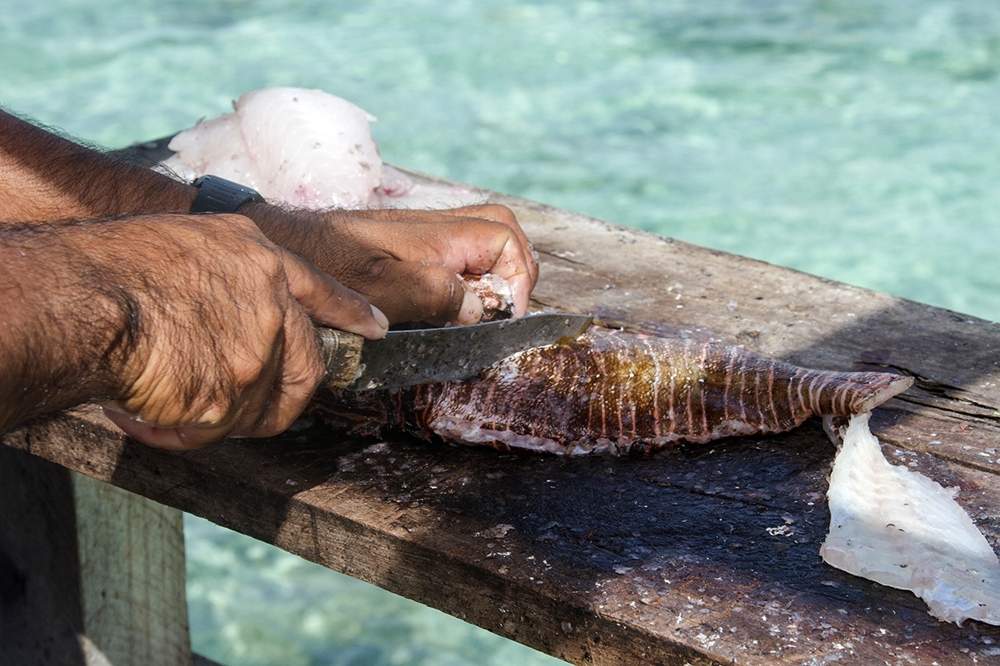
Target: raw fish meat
[
  {"x": 304, "y": 147},
  {"x": 495, "y": 293},
  {"x": 217, "y": 147},
  {"x": 897, "y": 527},
  {"x": 308, "y": 149}
]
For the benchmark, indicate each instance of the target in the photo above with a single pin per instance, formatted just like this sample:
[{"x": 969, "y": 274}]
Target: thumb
[{"x": 330, "y": 303}]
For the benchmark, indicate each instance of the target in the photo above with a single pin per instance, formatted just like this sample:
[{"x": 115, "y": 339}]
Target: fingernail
[
  {"x": 380, "y": 317},
  {"x": 117, "y": 408},
  {"x": 113, "y": 406},
  {"x": 472, "y": 309}
]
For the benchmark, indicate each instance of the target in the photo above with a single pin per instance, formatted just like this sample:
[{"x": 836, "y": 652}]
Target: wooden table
[{"x": 694, "y": 555}]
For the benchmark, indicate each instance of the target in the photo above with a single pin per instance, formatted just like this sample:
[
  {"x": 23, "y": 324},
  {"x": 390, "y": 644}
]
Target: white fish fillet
[
  {"x": 307, "y": 148},
  {"x": 214, "y": 146},
  {"x": 897, "y": 527},
  {"x": 304, "y": 147}
]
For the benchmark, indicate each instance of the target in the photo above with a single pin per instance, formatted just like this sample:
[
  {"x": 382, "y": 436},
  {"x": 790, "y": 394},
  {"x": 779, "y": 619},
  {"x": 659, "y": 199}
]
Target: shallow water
[{"x": 853, "y": 139}]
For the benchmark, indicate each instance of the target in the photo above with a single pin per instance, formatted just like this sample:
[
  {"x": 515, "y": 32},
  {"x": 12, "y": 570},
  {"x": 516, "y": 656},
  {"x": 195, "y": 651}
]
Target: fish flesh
[
  {"x": 305, "y": 148},
  {"x": 895, "y": 526},
  {"x": 613, "y": 392},
  {"x": 494, "y": 291}
]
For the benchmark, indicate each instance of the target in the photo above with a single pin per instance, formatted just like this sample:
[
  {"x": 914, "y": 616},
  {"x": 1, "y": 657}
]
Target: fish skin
[{"x": 614, "y": 392}]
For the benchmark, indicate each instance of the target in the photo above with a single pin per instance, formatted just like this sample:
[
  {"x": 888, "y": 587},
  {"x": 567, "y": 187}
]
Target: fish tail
[{"x": 845, "y": 393}]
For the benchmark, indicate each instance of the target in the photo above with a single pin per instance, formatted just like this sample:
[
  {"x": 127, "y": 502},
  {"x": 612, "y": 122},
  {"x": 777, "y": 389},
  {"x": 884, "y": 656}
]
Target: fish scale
[{"x": 613, "y": 391}]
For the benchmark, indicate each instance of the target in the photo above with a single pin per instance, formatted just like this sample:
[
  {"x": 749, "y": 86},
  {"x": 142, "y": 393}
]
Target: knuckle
[
  {"x": 236, "y": 221},
  {"x": 243, "y": 375},
  {"x": 451, "y": 294},
  {"x": 439, "y": 279},
  {"x": 499, "y": 213},
  {"x": 373, "y": 268},
  {"x": 360, "y": 271},
  {"x": 438, "y": 292},
  {"x": 267, "y": 259}
]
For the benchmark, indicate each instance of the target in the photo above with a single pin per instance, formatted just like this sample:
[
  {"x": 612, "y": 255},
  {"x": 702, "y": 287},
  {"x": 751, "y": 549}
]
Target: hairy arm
[
  {"x": 191, "y": 328},
  {"x": 64, "y": 332},
  {"x": 404, "y": 262},
  {"x": 44, "y": 177}
]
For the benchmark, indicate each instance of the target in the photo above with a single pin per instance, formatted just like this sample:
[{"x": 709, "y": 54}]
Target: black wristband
[{"x": 218, "y": 195}]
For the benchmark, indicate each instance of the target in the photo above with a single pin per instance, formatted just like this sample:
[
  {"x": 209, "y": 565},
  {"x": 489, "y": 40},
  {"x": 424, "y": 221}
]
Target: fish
[
  {"x": 899, "y": 528},
  {"x": 606, "y": 392},
  {"x": 613, "y": 392},
  {"x": 307, "y": 149}
]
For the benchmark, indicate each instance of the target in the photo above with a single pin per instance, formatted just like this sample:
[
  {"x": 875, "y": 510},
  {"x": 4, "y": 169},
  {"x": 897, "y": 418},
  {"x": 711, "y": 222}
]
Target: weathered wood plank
[
  {"x": 696, "y": 554},
  {"x": 40, "y": 610},
  {"x": 652, "y": 559},
  {"x": 92, "y": 574},
  {"x": 132, "y": 575},
  {"x": 258, "y": 495}
]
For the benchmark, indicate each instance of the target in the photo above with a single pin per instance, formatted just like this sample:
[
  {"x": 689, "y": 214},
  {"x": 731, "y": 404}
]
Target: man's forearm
[
  {"x": 62, "y": 331},
  {"x": 190, "y": 328},
  {"x": 44, "y": 177}
]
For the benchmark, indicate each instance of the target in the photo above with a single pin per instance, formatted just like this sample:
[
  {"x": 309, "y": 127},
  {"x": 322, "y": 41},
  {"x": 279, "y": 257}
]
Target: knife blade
[{"x": 452, "y": 353}]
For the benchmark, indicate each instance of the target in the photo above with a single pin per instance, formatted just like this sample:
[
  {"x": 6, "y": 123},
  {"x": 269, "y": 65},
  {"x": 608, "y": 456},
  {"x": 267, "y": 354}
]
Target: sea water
[{"x": 855, "y": 139}]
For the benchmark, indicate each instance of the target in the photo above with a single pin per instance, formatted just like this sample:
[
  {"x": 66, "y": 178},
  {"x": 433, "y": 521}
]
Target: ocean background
[{"x": 854, "y": 139}]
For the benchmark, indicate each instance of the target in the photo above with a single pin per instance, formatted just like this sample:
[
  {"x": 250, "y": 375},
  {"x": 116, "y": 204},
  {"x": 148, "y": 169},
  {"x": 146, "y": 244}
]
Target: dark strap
[{"x": 218, "y": 195}]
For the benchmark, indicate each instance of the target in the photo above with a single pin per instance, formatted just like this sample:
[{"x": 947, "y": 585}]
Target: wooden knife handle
[{"x": 342, "y": 355}]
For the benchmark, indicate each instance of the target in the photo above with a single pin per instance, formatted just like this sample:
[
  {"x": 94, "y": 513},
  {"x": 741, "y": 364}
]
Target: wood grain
[
  {"x": 696, "y": 554},
  {"x": 89, "y": 574},
  {"x": 132, "y": 576},
  {"x": 40, "y": 609}
]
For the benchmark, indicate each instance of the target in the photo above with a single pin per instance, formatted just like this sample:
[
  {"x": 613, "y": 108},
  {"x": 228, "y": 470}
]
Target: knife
[{"x": 452, "y": 353}]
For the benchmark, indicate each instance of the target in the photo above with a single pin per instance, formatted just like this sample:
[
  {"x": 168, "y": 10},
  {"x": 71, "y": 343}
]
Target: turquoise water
[
  {"x": 252, "y": 604},
  {"x": 853, "y": 139}
]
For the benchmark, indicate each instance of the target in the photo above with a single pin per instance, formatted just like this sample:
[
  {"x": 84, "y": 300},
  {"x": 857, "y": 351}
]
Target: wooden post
[
  {"x": 131, "y": 553},
  {"x": 40, "y": 616},
  {"x": 90, "y": 574}
]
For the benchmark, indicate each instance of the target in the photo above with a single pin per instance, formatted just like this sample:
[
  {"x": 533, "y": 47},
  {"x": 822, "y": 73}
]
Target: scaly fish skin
[{"x": 612, "y": 391}]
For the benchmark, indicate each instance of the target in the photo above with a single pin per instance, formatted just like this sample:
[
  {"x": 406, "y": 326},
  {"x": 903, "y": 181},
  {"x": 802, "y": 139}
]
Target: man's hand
[
  {"x": 192, "y": 328},
  {"x": 195, "y": 328},
  {"x": 407, "y": 262}
]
